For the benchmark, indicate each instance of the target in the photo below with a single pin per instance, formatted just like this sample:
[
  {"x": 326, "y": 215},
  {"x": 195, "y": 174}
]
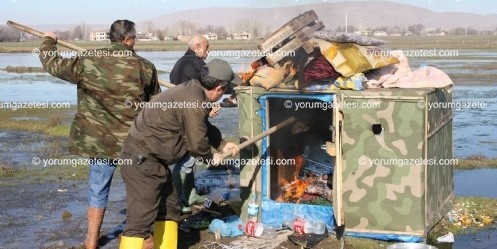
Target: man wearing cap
[{"x": 171, "y": 127}]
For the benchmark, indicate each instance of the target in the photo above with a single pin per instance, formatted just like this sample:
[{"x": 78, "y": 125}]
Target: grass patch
[
  {"x": 441, "y": 42},
  {"x": 11, "y": 69},
  {"x": 470, "y": 215},
  {"x": 394, "y": 42},
  {"x": 61, "y": 130},
  {"x": 53, "y": 122},
  {"x": 475, "y": 162},
  {"x": 25, "y": 47},
  {"x": 6, "y": 171},
  {"x": 39, "y": 173}
]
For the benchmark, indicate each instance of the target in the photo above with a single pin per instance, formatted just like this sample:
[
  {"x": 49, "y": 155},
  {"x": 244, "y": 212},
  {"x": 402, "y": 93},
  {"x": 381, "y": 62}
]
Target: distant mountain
[{"x": 360, "y": 14}]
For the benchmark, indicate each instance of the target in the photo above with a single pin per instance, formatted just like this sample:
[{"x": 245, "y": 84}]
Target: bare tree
[
  {"x": 160, "y": 34},
  {"x": 186, "y": 28},
  {"x": 248, "y": 25},
  {"x": 63, "y": 35},
  {"x": 459, "y": 31},
  {"x": 221, "y": 32},
  {"x": 471, "y": 31},
  {"x": 149, "y": 26},
  {"x": 9, "y": 34},
  {"x": 416, "y": 29}
]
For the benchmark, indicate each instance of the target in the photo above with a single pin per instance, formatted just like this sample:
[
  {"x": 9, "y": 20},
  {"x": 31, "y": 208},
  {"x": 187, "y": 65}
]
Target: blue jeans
[
  {"x": 99, "y": 181},
  {"x": 185, "y": 166}
]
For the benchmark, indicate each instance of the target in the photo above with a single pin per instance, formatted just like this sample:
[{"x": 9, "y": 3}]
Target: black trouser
[{"x": 150, "y": 193}]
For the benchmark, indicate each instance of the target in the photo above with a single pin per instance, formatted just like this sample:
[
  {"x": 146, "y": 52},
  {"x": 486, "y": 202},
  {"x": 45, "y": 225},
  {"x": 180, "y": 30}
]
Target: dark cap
[{"x": 221, "y": 70}]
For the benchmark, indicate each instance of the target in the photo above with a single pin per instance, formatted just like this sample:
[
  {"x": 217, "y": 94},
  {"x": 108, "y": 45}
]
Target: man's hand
[
  {"x": 231, "y": 147},
  {"x": 216, "y": 159},
  {"x": 215, "y": 110},
  {"x": 51, "y": 34}
]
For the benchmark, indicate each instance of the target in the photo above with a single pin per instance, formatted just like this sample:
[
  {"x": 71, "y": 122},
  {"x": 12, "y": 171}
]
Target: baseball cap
[{"x": 221, "y": 70}]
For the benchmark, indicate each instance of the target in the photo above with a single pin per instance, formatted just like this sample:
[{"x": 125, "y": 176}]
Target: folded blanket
[{"x": 401, "y": 76}]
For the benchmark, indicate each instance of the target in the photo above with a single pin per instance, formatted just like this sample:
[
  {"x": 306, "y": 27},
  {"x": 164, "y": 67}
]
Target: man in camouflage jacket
[{"x": 111, "y": 82}]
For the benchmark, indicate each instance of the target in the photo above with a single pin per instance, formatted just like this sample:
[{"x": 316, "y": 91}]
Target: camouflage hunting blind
[
  {"x": 381, "y": 159},
  {"x": 372, "y": 155}
]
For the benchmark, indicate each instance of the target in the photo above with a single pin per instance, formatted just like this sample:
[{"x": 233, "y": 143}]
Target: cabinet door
[{"x": 383, "y": 173}]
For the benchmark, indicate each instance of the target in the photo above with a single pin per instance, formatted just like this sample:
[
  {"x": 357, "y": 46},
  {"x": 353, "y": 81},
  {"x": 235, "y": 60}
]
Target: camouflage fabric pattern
[
  {"x": 440, "y": 145},
  {"x": 104, "y": 85},
  {"x": 396, "y": 198},
  {"x": 399, "y": 199}
]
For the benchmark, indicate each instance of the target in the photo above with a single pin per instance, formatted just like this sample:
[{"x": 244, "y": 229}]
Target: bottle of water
[
  {"x": 315, "y": 227},
  {"x": 268, "y": 233},
  {"x": 252, "y": 209}
]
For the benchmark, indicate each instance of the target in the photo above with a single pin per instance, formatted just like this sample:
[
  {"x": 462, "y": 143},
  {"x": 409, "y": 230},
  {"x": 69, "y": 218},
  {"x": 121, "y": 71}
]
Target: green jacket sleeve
[{"x": 69, "y": 69}]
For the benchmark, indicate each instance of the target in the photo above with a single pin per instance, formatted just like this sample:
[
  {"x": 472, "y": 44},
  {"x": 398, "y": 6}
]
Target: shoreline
[
  {"x": 488, "y": 80},
  {"x": 457, "y": 42}
]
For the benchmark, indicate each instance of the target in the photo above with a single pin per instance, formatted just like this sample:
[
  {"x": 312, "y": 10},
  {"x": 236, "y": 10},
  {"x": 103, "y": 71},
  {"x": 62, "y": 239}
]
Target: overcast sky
[{"x": 106, "y": 11}]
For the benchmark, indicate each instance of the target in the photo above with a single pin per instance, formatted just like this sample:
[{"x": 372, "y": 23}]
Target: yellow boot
[
  {"x": 131, "y": 243},
  {"x": 165, "y": 235}
]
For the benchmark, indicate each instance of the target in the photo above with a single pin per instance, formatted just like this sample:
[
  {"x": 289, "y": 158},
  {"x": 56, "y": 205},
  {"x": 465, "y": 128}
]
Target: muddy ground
[
  {"x": 45, "y": 207},
  {"x": 51, "y": 214}
]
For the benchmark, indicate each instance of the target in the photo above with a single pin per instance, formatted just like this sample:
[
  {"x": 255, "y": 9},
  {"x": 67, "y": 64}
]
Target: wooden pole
[
  {"x": 259, "y": 136},
  {"x": 66, "y": 44}
]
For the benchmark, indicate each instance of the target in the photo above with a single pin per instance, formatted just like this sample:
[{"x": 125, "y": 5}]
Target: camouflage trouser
[{"x": 150, "y": 193}]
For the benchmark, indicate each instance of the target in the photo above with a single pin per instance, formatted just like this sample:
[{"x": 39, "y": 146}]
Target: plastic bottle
[
  {"x": 268, "y": 233},
  {"x": 252, "y": 210},
  {"x": 296, "y": 225},
  {"x": 288, "y": 224},
  {"x": 315, "y": 227}
]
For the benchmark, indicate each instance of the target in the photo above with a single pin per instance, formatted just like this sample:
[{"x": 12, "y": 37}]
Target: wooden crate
[{"x": 290, "y": 37}]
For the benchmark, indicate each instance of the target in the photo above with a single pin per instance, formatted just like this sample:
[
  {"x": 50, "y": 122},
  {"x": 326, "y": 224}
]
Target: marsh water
[{"x": 474, "y": 133}]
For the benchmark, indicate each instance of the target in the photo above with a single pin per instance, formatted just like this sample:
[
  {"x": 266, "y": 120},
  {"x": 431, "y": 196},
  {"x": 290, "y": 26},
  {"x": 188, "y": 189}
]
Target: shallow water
[
  {"x": 474, "y": 134},
  {"x": 473, "y": 128},
  {"x": 19, "y": 148},
  {"x": 476, "y": 182}
]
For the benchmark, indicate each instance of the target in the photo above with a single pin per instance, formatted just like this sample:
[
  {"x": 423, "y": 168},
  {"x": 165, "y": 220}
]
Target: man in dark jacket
[
  {"x": 171, "y": 127},
  {"x": 190, "y": 65},
  {"x": 186, "y": 69}
]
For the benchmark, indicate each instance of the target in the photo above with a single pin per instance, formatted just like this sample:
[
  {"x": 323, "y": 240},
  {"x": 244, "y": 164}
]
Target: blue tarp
[
  {"x": 275, "y": 213},
  {"x": 386, "y": 237}
]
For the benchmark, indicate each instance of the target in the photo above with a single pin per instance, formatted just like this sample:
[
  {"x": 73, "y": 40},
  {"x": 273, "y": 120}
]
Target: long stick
[
  {"x": 65, "y": 44},
  {"x": 263, "y": 134}
]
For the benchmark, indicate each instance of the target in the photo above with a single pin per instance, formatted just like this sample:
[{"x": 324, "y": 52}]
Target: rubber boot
[
  {"x": 165, "y": 235},
  {"x": 178, "y": 181},
  {"x": 95, "y": 217},
  {"x": 131, "y": 243},
  {"x": 195, "y": 198},
  {"x": 188, "y": 186}
]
